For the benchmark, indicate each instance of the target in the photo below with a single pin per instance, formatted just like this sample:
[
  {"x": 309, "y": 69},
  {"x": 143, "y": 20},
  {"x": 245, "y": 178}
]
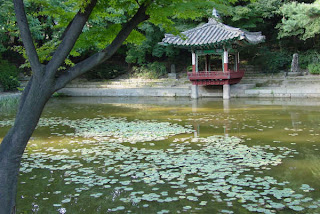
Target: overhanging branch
[
  {"x": 26, "y": 37},
  {"x": 69, "y": 38},
  {"x": 105, "y": 54}
]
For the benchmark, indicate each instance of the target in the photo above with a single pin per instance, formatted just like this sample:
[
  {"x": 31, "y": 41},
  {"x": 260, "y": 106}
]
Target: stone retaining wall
[
  {"x": 253, "y": 86},
  {"x": 126, "y": 92},
  {"x": 204, "y": 91},
  {"x": 292, "y": 92}
]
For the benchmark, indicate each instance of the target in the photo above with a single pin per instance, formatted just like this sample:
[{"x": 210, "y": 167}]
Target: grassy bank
[{"x": 9, "y": 103}]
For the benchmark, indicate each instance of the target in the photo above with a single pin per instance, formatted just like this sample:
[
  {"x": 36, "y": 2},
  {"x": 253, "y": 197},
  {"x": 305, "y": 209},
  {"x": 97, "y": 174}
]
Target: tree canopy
[
  {"x": 48, "y": 19},
  {"x": 300, "y": 19},
  {"x": 278, "y": 20}
]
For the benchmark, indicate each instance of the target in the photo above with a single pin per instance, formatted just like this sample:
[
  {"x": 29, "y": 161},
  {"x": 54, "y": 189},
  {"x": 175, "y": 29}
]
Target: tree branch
[
  {"x": 26, "y": 37},
  {"x": 137, "y": 2},
  {"x": 139, "y": 17},
  {"x": 105, "y": 54},
  {"x": 69, "y": 38},
  {"x": 24, "y": 95}
]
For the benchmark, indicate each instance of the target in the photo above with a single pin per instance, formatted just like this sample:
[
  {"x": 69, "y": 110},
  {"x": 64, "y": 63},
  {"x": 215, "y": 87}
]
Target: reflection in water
[
  {"x": 226, "y": 106},
  {"x": 196, "y": 126},
  {"x": 226, "y": 110},
  {"x": 194, "y": 103}
]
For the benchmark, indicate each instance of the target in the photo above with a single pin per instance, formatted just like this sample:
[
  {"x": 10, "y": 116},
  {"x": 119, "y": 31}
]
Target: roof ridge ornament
[
  {"x": 216, "y": 18},
  {"x": 215, "y": 13}
]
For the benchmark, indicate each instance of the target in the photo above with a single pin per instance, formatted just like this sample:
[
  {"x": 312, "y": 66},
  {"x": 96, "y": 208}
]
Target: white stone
[
  {"x": 194, "y": 92},
  {"x": 226, "y": 92}
]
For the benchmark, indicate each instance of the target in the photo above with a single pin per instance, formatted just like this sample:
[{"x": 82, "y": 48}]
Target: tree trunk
[
  {"x": 42, "y": 85},
  {"x": 14, "y": 143}
]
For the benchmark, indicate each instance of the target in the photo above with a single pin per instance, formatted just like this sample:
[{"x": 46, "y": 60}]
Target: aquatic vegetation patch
[
  {"x": 192, "y": 173},
  {"x": 112, "y": 128}
]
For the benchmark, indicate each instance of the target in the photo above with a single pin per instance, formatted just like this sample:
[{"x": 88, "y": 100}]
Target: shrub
[
  {"x": 307, "y": 58},
  {"x": 314, "y": 68},
  {"x": 8, "y": 76},
  {"x": 273, "y": 61},
  {"x": 153, "y": 70},
  {"x": 105, "y": 71}
]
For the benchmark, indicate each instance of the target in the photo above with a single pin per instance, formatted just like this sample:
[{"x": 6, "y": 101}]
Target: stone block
[
  {"x": 282, "y": 95},
  {"x": 240, "y": 86},
  {"x": 293, "y": 74},
  {"x": 252, "y": 92},
  {"x": 172, "y": 76},
  {"x": 226, "y": 92},
  {"x": 194, "y": 92}
]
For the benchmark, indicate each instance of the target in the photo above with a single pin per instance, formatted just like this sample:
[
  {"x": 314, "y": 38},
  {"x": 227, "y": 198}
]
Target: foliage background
[{"x": 289, "y": 26}]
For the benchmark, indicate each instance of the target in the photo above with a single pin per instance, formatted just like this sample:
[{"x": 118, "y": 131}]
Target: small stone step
[{"x": 241, "y": 86}]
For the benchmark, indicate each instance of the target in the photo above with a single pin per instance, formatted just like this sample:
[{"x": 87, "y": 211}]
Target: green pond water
[{"x": 161, "y": 155}]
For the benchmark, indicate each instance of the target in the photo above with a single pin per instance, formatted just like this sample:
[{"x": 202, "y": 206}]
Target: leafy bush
[
  {"x": 105, "y": 71},
  {"x": 273, "y": 61},
  {"x": 307, "y": 58},
  {"x": 153, "y": 70},
  {"x": 8, "y": 76},
  {"x": 149, "y": 48},
  {"x": 314, "y": 68}
]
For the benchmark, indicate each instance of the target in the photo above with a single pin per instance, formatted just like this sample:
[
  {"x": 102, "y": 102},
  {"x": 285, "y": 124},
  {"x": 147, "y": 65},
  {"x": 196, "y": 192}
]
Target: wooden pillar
[
  {"x": 197, "y": 63},
  {"x": 225, "y": 60},
  {"x": 237, "y": 61},
  {"x": 193, "y": 62},
  {"x": 207, "y": 63},
  {"x": 194, "y": 88}
]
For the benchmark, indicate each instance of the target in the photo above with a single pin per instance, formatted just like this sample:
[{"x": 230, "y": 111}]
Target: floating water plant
[{"x": 221, "y": 167}]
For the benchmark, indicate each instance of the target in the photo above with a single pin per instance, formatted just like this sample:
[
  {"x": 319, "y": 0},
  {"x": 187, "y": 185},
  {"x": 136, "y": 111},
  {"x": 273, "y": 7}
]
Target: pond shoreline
[
  {"x": 9, "y": 95},
  {"x": 253, "y": 85},
  {"x": 264, "y": 86}
]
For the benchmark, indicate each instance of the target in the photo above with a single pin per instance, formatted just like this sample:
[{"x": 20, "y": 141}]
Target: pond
[{"x": 172, "y": 155}]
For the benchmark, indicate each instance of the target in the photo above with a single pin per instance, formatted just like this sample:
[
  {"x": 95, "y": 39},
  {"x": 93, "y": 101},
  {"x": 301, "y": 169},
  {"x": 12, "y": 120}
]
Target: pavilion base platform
[{"x": 214, "y": 78}]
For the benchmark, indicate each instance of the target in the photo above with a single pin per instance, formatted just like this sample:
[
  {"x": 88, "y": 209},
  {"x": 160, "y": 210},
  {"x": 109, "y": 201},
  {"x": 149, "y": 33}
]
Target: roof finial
[
  {"x": 215, "y": 14},
  {"x": 215, "y": 17}
]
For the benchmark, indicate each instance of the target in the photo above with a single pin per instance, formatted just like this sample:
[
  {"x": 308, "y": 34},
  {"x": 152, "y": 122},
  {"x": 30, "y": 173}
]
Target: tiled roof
[{"x": 211, "y": 34}]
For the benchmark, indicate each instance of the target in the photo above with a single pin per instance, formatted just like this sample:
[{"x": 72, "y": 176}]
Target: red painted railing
[{"x": 215, "y": 77}]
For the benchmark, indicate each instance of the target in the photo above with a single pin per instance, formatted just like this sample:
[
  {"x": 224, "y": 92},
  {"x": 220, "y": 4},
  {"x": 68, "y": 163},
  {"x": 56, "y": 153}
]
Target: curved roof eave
[{"x": 211, "y": 34}]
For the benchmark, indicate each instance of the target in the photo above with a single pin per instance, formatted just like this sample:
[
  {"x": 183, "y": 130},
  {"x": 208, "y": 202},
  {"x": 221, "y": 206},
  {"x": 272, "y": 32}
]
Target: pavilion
[{"x": 214, "y": 38}]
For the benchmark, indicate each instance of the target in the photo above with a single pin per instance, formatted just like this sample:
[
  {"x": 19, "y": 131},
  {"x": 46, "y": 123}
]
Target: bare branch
[
  {"x": 26, "y": 37},
  {"x": 100, "y": 57},
  {"x": 69, "y": 38}
]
